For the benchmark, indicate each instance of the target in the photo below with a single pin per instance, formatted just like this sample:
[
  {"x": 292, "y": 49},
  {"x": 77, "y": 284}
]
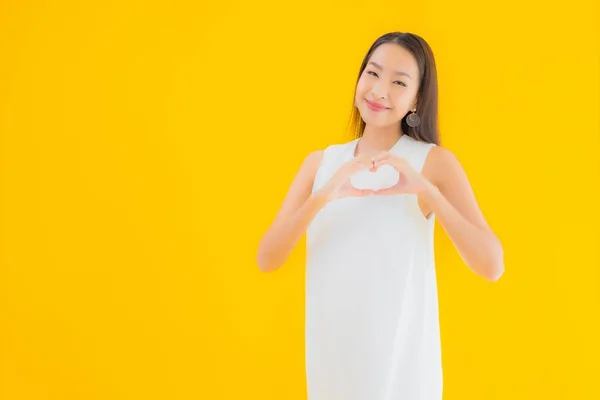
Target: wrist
[
  {"x": 428, "y": 191},
  {"x": 320, "y": 198}
]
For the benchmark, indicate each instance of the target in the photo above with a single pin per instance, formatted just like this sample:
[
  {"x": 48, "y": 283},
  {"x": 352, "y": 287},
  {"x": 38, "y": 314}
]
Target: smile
[{"x": 375, "y": 107}]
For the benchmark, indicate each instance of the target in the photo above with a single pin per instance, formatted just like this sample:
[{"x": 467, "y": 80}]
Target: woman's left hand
[{"x": 409, "y": 180}]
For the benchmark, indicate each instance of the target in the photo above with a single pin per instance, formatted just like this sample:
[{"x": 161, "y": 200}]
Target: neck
[{"x": 375, "y": 139}]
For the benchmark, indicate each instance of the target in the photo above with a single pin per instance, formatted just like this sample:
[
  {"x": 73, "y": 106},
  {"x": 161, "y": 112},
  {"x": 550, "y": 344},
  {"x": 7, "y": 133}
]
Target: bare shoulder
[
  {"x": 311, "y": 163},
  {"x": 444, "y": 170},
  {"x": 314, "y": 158},
  {"x": 441, "y": 163},
  {"x": 302, "y": 183}
]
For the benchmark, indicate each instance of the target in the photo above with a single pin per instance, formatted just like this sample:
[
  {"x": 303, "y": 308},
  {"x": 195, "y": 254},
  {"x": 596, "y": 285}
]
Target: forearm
[
  {"x": 283, "y": 236},
  {"x": 479, "y": 247}
]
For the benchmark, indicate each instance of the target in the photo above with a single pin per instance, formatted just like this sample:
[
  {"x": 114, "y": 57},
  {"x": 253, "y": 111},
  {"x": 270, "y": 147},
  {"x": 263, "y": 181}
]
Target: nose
[{"x": 379, "y": 90}]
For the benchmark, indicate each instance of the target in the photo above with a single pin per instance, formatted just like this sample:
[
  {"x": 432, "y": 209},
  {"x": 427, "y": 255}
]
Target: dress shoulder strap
[
  {"x": 415, "y": 152},
  {"x": 333, "y": 157}
]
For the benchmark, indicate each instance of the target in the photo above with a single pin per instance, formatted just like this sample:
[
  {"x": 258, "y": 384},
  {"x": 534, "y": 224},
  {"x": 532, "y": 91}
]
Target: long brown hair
[{"x": 427, "y": 96}]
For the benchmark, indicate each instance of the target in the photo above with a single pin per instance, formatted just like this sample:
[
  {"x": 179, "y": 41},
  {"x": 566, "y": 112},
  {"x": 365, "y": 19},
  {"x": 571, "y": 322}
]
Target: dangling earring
[{"x": 413, "y": 119}]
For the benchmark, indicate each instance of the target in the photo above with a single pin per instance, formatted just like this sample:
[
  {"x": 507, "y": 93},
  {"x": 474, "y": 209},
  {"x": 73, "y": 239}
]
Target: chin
[{"x": 376, "y": 122}]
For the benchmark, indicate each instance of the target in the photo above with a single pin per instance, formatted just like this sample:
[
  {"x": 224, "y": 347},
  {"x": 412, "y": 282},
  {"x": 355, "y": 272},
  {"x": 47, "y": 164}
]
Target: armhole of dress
[
  {"x": 431, "y": 215},
  {"x": 316, "y": 182}
]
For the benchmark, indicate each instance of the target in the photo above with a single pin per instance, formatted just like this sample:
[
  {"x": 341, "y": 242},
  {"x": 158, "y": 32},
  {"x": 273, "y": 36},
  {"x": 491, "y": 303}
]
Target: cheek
[
  {"x": 404, "y": 99},
  {"x": 362, "y": 87}
]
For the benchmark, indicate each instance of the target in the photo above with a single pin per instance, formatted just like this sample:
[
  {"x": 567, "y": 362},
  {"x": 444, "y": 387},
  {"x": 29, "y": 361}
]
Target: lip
[{"x": 375, "y": 106}]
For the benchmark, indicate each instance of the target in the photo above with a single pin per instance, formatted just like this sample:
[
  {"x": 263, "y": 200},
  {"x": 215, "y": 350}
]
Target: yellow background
[{"x": 146, "y": 146}]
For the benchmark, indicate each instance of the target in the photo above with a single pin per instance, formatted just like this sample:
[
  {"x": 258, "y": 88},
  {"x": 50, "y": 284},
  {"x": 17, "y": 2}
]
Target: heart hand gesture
[
  {"x": 409, "y": 180},
  {"x": 339, "y": 185}
]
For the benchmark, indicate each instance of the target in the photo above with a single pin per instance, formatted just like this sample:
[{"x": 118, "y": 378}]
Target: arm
[
  {"x": 449, "y": 195},
  {"x": 295, "y": 215}
]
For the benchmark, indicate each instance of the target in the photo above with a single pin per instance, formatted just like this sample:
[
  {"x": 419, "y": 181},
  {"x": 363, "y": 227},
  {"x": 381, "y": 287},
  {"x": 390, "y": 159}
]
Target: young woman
[{"x": 368, "y": 208}]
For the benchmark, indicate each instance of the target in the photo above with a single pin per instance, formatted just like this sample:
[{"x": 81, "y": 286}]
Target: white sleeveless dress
[{"x": 372, "y": 328}]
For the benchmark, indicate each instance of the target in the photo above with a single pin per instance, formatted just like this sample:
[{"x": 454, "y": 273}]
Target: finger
[
  {"x": 361, "y": 158},
  {"x": 378, "y": 164},
  {"x": 397, "y": 163},
  {"x": 362, "y": 165},
  {"x": 364, "y": 160},
  {"x": 386, "y": 192},
  {"x": 396, "y": 189},
  {"x": 380, "y": 156},
  {"x": 353, "y": 191}
]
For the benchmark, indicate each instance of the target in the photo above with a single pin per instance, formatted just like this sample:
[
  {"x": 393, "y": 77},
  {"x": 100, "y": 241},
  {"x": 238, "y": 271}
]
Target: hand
[
  {"x": 339, "y": 185},
  {"x": 409, "y": 180}
]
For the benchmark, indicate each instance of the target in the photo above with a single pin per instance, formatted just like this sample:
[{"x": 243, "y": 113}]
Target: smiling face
[{"x": 387, "y": 88}]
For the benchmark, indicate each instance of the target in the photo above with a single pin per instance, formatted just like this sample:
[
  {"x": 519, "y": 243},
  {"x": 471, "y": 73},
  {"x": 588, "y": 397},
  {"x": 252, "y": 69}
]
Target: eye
[{"x": 372, "y": 73}]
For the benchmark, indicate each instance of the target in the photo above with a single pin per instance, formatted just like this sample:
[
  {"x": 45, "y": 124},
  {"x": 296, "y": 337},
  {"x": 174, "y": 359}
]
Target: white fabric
[{"x": 372, "y": 328}]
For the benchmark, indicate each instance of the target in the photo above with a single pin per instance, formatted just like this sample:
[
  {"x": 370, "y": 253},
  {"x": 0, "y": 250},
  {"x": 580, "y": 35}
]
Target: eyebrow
[{"x": 395, "y": 72}]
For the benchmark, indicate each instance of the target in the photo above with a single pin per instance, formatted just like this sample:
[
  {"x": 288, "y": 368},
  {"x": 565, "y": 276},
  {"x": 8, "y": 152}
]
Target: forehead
[{"x": 395, "y": 57}]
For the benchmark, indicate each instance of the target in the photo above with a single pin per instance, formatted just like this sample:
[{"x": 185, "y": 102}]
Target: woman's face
[{"x": 390, "y": 81}]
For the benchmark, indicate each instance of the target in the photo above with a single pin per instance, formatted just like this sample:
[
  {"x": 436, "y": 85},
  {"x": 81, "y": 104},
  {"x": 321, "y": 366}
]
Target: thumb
[{"x": 350, "y": 190}]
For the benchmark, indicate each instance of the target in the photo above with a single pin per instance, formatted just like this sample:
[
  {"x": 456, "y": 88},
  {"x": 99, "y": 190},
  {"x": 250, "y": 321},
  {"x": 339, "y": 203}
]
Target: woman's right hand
[
  {"x": 301, "y": 205},
  {"x": 339, "y": 186}
]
